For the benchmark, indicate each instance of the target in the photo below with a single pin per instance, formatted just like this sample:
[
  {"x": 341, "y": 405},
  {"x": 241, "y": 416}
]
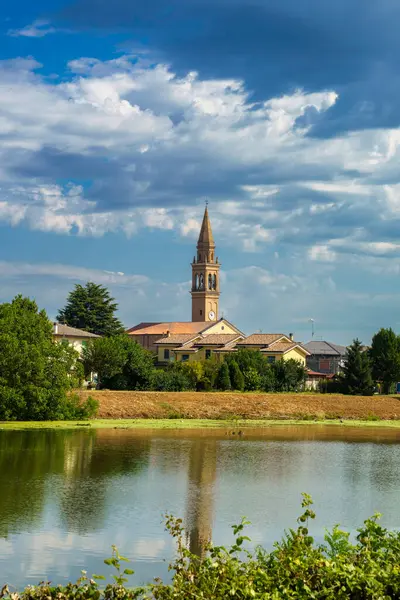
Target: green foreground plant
[{"x": 297, "y": 567}]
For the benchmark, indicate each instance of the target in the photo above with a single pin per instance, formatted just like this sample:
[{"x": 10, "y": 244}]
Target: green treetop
[
  {"x": 36, "y": 374},
  {"x": 91, "y": 307},
  {"x": 385, "y": 358},
  {"x": 357, "y": 377}
]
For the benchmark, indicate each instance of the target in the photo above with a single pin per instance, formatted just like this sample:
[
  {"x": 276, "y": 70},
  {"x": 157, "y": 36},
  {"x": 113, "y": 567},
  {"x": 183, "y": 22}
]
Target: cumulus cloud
[{"x": 124, "y": 144}]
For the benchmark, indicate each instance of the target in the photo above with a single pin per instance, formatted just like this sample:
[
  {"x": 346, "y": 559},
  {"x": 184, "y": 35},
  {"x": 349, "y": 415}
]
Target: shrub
[
  {"x": 170, "y": 381},
  {"x": 223, "y": 381},
  {"x": 236, "y": 376},
  {"x": 296, "y": 568},
  {"x": 252, "y": 380}
]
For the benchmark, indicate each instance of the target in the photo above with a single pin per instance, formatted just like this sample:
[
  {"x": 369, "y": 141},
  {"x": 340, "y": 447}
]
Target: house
[
  {"x": 314, "y": 378},
  {"x": 147, "y": 334},
  {"x": 209, "y": 342},
  {"x": 211, "y": 339},
  {"x": 325, "y": 357},
  {"x": 78, "y": 338},
  {"x": 275, "y": 346}
]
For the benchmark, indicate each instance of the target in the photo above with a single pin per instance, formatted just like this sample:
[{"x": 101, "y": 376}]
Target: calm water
[{"x": 66, "y": 496}]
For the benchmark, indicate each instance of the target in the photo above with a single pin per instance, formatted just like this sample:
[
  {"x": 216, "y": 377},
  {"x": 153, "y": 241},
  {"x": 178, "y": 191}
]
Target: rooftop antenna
[{"x": 312, "y": 327}]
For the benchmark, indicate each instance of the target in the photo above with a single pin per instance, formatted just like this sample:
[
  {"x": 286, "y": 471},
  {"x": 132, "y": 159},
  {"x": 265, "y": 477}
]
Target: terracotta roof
[
  {"x": 261, "y": 339},
  {"x": 283, "y": 347},
  {"x": 177, "y": 338},
  {"x": 311, "y": 373},
  {"x": 66, "y": 331},
  {"x": 206, "y": 236},
  {"x": 216, "y": 339},
  {"x": 173, "y": 327},
  {"x": 141, "y": 326}
]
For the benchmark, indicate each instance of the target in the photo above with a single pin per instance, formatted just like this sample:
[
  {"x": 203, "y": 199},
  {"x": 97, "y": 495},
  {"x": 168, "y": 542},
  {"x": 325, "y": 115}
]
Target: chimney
[
  {"x": 291, "y": 336},
  {"x": 168, "y": 333},
  {"x": 55, "y": 328}
]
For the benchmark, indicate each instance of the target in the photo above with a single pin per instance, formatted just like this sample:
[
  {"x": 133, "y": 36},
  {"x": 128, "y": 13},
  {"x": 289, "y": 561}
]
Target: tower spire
[
  {"x": 206, "y": 236},
  {"x": 205, "y": 275}
]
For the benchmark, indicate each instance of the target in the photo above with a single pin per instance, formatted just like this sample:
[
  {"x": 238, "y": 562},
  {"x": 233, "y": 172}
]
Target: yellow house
[
  {"x": 212, "y": 340},
  {"x": 78, "y": 338},
  {"x": 275, "y": 346}
]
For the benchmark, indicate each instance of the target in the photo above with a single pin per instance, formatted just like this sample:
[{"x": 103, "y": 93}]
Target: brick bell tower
[{"x": 205, "y": 276}]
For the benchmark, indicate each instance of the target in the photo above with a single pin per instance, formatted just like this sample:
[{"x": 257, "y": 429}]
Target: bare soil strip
[{"x": 229, "y": 405}]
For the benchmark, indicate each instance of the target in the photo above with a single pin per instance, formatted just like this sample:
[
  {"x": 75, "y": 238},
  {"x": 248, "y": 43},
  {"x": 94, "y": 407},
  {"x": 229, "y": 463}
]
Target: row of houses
[{"x": 188, "y": 341}]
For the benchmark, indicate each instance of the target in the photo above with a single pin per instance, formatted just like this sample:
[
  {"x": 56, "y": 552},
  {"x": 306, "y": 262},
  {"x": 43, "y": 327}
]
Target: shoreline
[{"x": 187, "y": 424}]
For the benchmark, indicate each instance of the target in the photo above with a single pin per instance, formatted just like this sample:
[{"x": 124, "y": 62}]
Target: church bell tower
[{"x": 205, "y": 276}]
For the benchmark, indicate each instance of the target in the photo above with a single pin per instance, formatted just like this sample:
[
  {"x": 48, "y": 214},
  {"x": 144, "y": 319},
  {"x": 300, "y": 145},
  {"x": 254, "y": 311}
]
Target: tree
[
  {"x": 36, "y": 374},
  {"x": 252, "y": 380},
  {"x": 91, "y": 308},
  {"x": 120, "y": 363},
  {"x": 385, "y": 358},
  {"x": 289, "y": 375},
  {"x": 357, "y": 377},
  {"x": 223, "y": 381},
  {"x": 236, "y": 376}
]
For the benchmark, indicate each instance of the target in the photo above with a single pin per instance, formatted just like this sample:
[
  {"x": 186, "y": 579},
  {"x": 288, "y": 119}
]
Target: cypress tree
[
  {"x": 357, "y": 377},
  {"x": 236, "y": 376},
  {"x": 223, "y": 381}
]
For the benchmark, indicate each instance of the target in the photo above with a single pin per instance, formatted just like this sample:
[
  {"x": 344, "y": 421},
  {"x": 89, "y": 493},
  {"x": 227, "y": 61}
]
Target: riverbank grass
[{"x": 193, "y": 423}]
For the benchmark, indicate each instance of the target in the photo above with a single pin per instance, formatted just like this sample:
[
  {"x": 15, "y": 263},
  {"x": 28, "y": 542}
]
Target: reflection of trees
[
  {"x": 74, "y": 467},
  {"x": 200, "y": 498},
  {"x": 26, "y": 459},
  {"x": 89, "y": 468}
]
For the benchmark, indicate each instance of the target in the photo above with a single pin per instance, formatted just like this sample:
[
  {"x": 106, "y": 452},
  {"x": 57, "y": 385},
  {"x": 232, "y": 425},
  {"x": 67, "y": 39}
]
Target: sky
[{"x": 119, "y": 120}]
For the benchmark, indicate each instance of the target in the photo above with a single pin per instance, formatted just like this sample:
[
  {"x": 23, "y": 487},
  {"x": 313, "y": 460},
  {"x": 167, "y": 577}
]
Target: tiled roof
[
  {"x": 177, "y": 338},
  {"x": 141, "y": 326},
  {"x": 322, "y": 347},
  {"x": 261, "y": 339},
  {"x": 173, "y": 327},
  {"x": 65, "y": 331},
  {"x": 283, "y": 347},
  {"x": 216, "y": 339}
]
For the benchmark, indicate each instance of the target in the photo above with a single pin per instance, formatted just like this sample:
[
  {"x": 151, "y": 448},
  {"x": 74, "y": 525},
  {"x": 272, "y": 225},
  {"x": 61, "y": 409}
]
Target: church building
[{"x": 208, "y": 334}]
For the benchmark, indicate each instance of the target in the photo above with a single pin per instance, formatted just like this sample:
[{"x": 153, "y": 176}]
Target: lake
[{"x": 68, "y": 495}]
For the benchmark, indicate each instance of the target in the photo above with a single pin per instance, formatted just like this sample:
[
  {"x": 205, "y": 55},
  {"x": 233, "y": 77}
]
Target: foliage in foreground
[{"x": 295, "y": 568}]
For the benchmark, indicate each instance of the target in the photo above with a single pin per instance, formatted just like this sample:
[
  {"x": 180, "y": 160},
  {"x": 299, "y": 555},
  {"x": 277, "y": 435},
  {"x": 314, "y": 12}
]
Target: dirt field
[{"x": 190, "y": 405}]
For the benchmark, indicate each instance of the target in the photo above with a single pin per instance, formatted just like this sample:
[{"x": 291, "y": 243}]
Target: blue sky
[{"x": 118, "y": 120}]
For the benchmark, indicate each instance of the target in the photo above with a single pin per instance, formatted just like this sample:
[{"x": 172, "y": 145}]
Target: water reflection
[{"x": 66, "y": 496}]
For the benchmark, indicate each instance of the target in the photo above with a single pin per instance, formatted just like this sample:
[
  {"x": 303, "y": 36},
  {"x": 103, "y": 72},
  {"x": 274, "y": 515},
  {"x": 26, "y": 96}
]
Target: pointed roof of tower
[{"x": 206, "y": 236}]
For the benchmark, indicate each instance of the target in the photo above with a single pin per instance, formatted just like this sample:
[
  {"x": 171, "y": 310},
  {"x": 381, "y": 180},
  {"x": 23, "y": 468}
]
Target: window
[
  {"x": 201, "y": 312},
  {"x": 271, "y": 359},
  {"x": 222, "y": 327},
  {"x": 324, "y": 365},
  {"x": 185, "y": 357},
  {"x": 166, "y": 354},
  {"x": 208, "y": 353}
]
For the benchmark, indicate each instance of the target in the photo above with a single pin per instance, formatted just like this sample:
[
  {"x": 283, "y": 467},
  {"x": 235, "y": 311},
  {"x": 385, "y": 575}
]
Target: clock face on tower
[{"x": 211, "y": 315}]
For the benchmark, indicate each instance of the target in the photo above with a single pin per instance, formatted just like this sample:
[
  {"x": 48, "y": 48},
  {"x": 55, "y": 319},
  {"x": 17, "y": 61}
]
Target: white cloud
[
  {"x": 321, "y": 253},
  {"x": 37, "y": 29},
  {"x": 153, "y": 145}
]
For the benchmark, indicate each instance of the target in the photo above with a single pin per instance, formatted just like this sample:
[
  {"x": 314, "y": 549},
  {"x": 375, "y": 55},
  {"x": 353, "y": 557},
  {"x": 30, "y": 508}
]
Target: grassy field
[{"x": 249, "y": 406}]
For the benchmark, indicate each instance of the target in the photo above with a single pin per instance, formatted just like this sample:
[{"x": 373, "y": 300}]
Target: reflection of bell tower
[
  {"x": 205, "y": 276},
  {"x": 200, "y": 499}
]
